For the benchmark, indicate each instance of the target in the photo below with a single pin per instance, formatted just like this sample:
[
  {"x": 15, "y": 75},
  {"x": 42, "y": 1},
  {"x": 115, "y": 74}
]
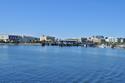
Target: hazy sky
[{"x": 63, "y": 18}]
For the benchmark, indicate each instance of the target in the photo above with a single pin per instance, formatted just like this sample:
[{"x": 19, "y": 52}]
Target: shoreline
[{"x": 39, "y": 44}]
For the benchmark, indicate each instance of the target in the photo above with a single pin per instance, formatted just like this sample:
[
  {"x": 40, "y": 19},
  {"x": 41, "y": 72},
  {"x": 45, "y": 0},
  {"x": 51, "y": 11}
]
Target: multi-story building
[
  {"x": 10, "y": 38},
  {"x": 122, "y": 40},
  {"x": 47, "y": 39},
  {"x": 111, "y": 39},
  {"x": 29, "y": 39},
  {"x": 14, "y": 38},
  {"x": 4, "y": 38},
  {"x": 18, "y": 39},
  {"x": 97, "y": 39},
  {"x": 84, "y": 40}
]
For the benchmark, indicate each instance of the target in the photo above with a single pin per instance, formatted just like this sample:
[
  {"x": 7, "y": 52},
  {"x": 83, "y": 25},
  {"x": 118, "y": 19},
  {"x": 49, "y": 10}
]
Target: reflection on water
[
  {"x": 36, "y": 64},
  {"x": 4, "y": 54}
]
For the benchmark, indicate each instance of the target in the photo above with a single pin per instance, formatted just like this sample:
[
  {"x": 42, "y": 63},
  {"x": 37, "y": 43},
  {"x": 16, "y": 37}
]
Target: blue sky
[{"x": 63, "y": 18}]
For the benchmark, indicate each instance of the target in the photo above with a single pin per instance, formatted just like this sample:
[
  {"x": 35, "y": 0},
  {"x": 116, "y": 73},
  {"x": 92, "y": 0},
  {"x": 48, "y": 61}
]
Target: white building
[
  {"x": 4, "y": 37},
  {"x": 47, "y": 39},
  {"x": 112, "y": 39}
]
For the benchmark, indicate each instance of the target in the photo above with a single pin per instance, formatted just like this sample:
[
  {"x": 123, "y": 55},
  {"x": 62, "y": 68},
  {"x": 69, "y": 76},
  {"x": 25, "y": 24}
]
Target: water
[{"x": 36, "y": 64}]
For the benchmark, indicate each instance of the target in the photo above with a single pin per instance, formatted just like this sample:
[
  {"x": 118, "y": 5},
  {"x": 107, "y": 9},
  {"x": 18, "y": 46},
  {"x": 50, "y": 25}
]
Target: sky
[{"x": 63, "y": 18}]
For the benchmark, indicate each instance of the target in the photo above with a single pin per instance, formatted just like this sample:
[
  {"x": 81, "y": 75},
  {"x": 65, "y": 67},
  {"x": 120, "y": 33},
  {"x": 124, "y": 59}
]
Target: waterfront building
[
  {"x": 18, "y": 39},
  {"x": 72, "y": 41},
  {"x": 47, "y": 39},
  {"x": 10, "y": 38},
  {"x": 111, "y": 39},
  {"x": 84, "y": 40},
  {"x": 122, "y": 40},
  {"x": 29, "y": 39},
  {"x": 15, "y": 38},
  {"x": 4, "y": 38},
  {"x": 97, "y": 39}
]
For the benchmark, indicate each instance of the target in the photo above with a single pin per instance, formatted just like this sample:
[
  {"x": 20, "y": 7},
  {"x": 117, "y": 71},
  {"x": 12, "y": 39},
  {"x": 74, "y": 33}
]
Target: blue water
[{"x": 36, "y": 64}]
